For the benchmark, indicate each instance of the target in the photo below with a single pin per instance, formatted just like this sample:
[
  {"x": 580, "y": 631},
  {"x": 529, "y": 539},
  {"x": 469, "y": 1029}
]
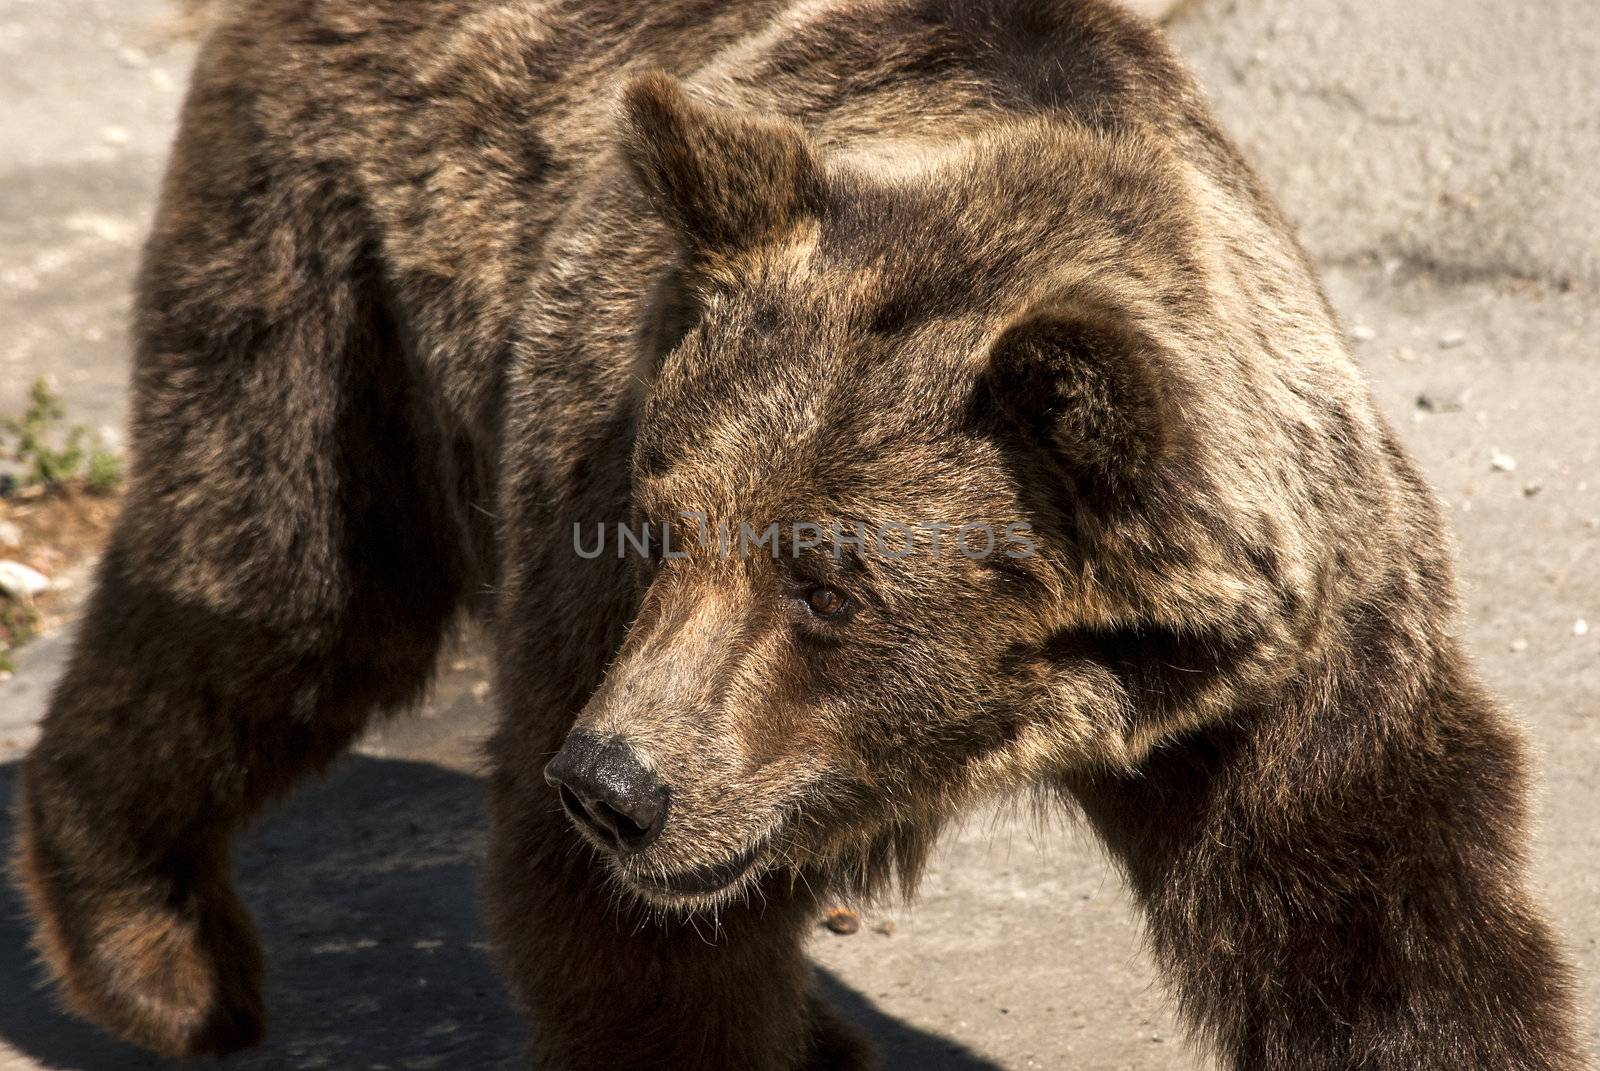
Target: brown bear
[{"x": 975, "y": 423}]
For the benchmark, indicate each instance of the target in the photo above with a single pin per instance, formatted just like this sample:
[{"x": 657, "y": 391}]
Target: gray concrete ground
[{"x": 1439, "y": 156}]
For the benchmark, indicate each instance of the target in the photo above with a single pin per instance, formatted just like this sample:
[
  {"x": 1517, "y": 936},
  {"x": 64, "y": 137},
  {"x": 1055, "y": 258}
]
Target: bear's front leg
[
  {"x": 612, "y": 984},
  {"x": 1341, "y": 885},
  {"x": 282, "y": 568}
]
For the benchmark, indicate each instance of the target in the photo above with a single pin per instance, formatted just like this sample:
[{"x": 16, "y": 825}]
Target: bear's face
[
  {"x": 834, "y": 642},
  {"x": 857, "y": 461},
  {"x": 828, "y": 642}
]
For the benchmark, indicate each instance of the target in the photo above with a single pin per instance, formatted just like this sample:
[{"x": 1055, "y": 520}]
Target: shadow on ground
[{"x": 366, "y": 889}]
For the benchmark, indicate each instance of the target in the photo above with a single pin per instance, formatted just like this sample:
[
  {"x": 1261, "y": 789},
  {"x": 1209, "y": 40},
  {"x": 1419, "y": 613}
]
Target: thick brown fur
[{"x": 434, "y": 282}]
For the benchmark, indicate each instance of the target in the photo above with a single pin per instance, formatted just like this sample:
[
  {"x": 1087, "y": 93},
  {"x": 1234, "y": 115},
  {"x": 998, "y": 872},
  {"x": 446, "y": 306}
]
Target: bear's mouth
[{"x": 703, "y": 880}]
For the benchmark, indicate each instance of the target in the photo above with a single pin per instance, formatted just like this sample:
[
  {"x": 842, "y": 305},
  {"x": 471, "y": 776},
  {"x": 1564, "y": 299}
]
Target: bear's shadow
[{"x": 365, "y": 885}]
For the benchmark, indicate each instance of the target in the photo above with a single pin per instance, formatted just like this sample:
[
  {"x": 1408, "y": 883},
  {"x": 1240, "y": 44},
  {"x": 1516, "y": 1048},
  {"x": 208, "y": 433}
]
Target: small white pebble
[
  {"x": 1519, "y": 645},
  {"x": 115, "y": 135},
  {"x": 10, "y": 535},
  {"x": 22, "y": 582},
  {"x": 1363, "y": 333},
  {"x": 1502, "y": 462},
  {"x": 1580, "y": 627},
  {"x": 1451, "y": 339}
]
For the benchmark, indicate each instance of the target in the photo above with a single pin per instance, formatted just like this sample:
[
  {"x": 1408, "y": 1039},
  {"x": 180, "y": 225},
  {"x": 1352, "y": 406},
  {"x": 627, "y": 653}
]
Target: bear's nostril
[
  {"x": 607, "y": 791},
  {"x": 625, "y": 823},
  {"x": 631, "y": 832},
  {"x": 573, "y": 805}
]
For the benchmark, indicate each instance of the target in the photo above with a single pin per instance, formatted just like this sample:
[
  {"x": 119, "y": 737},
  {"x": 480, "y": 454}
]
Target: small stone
[
  {"x": 1405, "y": 354},
  {"x": 1531, "y": 489},
  {"x": 1363, "y": 333},
  {"x": 1442, "y": 401},
  {"x": 1519, "y": 645},
  {"x": 1451, "y": 339},
  {"x": 22, "y": 582},
  {"x": 886, "y": 928},
  {"x": 10, "y": 535},
  {"x": 842, "y": 920},
  {"x": 1580, "y": 627},
  {"x": 1502, "y": 462},
  {"x": 115, "y": 135},
  {"x": 480, "y": 690}
]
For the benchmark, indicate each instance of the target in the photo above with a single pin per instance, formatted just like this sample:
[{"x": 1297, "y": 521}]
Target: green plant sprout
[{"x": 53, "y": 467}]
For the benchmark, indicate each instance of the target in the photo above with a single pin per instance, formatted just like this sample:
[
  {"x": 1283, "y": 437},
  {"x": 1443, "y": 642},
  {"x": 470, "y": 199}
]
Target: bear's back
[{"x": 465, "y": 126}]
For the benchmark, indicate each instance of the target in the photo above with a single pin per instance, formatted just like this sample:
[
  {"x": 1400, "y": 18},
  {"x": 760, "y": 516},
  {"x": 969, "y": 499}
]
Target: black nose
[{"x": 608, "y": 792}]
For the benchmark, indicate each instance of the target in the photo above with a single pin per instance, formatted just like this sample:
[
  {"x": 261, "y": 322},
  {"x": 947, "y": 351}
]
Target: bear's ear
[
  {"x": 725, "y": 179},
  {"x": 1090, "y": 388}
]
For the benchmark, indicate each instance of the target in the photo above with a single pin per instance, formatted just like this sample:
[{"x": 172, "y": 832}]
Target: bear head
[{"x": 915, "y": 435}]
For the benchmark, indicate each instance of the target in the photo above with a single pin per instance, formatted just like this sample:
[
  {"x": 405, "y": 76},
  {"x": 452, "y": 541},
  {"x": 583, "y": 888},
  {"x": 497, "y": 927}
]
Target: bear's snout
[{"x": 608, "y": 792}]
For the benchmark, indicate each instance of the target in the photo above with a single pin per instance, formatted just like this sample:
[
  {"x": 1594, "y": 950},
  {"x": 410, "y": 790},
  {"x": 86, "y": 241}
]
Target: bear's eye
[{"x": 826, "y": 602}]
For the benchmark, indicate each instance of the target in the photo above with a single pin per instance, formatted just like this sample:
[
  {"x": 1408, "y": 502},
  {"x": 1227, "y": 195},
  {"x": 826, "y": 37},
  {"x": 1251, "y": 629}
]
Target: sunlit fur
[{"x": 432, "y": 282}]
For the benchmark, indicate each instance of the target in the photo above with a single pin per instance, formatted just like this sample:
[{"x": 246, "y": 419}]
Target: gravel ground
[{"x": 1438, "y": 156}]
